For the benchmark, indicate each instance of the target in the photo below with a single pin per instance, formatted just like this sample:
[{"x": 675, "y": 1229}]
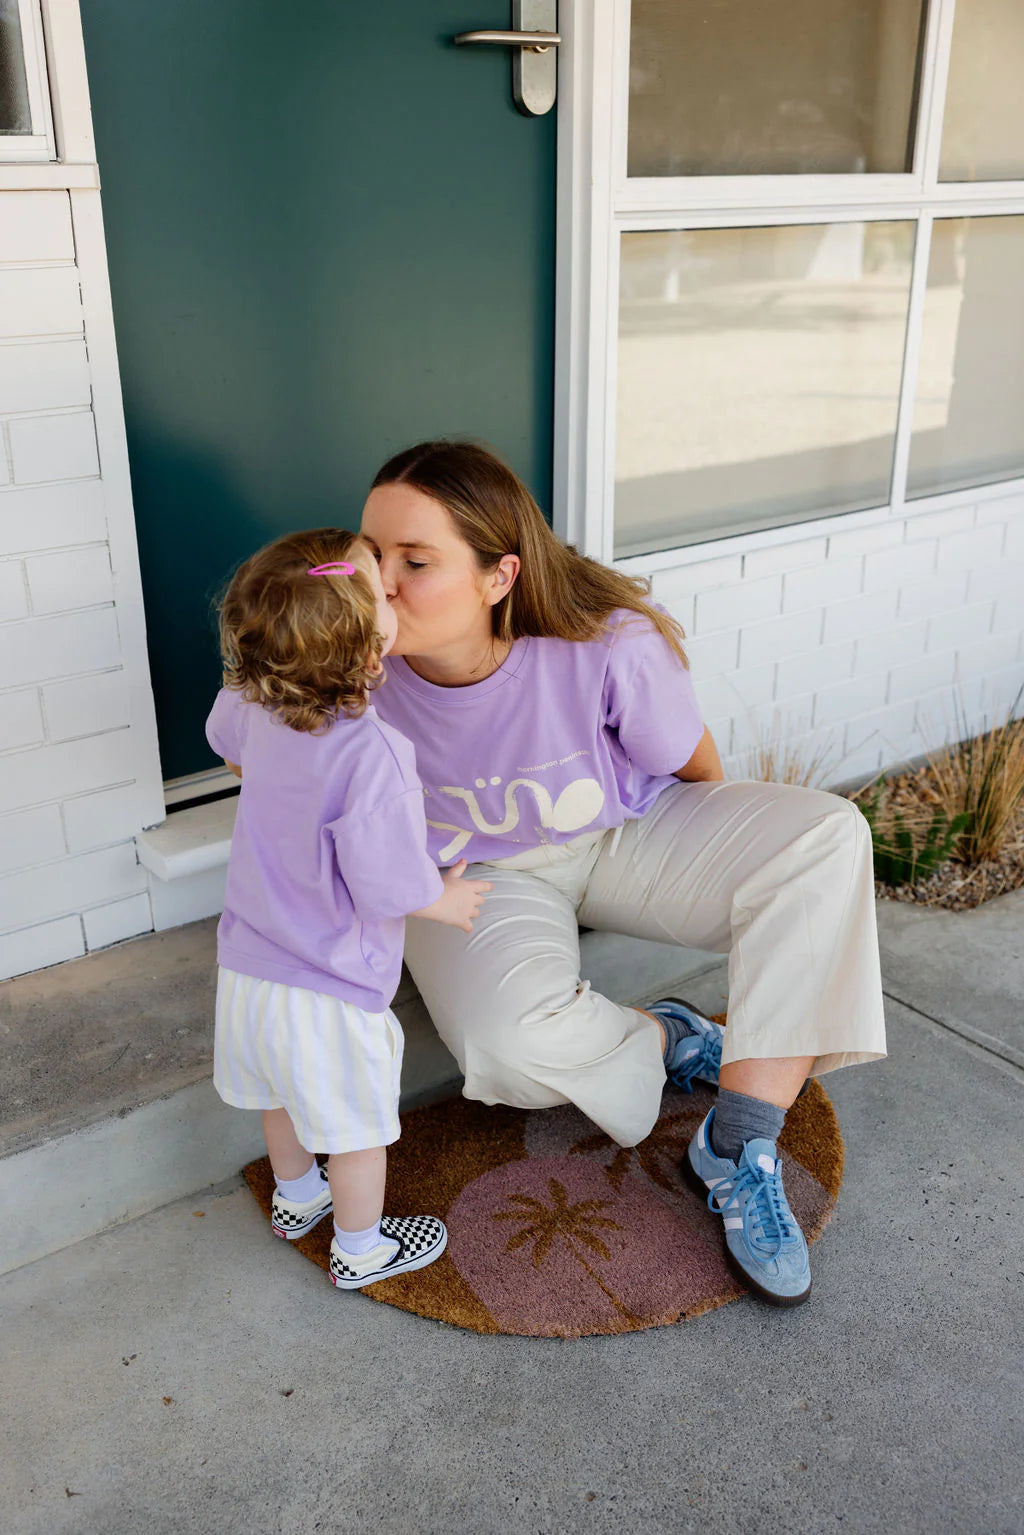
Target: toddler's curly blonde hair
[{"x": 306, "y": 647}]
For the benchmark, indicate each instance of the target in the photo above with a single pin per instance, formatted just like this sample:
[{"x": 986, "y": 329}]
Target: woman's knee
[
  {"x": 841, "y": 825},
  {"x": 557, "y": 1033}
]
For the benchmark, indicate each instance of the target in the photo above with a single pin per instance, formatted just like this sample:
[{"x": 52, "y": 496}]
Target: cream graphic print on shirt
[{"x": 577, "y": 805}]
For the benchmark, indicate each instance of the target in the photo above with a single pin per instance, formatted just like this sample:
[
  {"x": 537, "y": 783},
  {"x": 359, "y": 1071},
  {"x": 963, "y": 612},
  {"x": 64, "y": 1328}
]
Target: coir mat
[{"x": 556, "y": 1232}]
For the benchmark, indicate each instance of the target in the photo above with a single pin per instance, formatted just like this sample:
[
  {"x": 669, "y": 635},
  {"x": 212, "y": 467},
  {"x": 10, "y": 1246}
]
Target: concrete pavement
[{"x": 891, "y": 1402}]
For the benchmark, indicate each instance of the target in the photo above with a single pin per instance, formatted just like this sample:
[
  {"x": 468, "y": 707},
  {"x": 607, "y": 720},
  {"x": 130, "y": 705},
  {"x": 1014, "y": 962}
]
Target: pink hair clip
[{"x": 333, "y": 568}]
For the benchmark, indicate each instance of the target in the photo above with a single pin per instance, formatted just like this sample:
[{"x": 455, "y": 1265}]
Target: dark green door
[{"x": 330, "y": 234}]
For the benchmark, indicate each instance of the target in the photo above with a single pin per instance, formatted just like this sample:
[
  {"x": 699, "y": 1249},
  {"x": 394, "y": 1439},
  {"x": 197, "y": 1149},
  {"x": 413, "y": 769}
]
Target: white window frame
[
  {"x": 598, "y": 203},
  {"x": 40, "y": 144}
]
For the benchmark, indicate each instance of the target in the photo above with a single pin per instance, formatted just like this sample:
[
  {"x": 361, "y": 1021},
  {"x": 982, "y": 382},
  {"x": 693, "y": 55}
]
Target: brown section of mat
[{"x": 554, "y": 1231}]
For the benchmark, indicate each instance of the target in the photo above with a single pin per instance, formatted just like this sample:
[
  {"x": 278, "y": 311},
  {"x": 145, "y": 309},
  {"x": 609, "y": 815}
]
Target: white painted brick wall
[
  {"x": 815, "y": 586},
  {"x": 52, "y": 516},
  {"x": 13, "y": 592},
  {"x": 110, "y": 924},
  {"x": 79, "y": 773},
  {"x": 53, "y": 447},
  {"x": 95, "y": 820},
  {"x": 40, "y": 648},
  {"x": 729, "y": 606},
  {"x": 34, "y": 836},
  {"x": 36, "y": 227},
  {"x": 857, "y": 616},
  {"x": 39, "y": 377},
  {"x": 21, "y": 719},
  {"x": 33, "y": 948},
  {"x": 55, "y": 772},
  {"x": 940, "y": 594},
  {"x": 31, "y": 896},
  {"x": 45, "y": 302},
  {"x": 882, "y": 626},
  {"x": 87, "y": 705},
  {"x": 79, "y": 578},
  {"x": 791, "y": 634}
]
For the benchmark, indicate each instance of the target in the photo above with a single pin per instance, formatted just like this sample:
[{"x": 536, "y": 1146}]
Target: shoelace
[
  {"x": 705, "y": 1062},
  {"x": 766, "y": 1207}
]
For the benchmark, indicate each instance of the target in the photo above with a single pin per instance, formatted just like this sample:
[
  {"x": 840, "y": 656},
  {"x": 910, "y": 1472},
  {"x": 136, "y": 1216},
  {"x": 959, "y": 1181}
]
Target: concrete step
[{"x": 107, "y": 1108}]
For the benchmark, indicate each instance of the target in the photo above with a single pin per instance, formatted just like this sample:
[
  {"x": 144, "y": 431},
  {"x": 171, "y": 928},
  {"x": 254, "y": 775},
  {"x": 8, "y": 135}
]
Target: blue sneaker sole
[{"x": 785, "y": 1301}]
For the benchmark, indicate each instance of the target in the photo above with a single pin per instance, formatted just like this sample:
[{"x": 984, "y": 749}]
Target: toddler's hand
[{"x": 460, "y": 901}]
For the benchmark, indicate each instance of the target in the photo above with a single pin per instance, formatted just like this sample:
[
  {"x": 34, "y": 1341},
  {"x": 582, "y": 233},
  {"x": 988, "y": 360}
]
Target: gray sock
[
  {"x": 675, "y": 1030},
  {"x": 739, "y": 1119}
]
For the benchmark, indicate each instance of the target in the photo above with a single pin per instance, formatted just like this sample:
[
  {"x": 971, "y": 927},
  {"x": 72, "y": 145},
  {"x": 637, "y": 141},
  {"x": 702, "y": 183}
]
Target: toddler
[{"x": 327, "y": 859}]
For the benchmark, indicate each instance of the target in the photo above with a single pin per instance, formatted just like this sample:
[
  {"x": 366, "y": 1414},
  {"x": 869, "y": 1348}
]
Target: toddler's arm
[
  {"x": 459, "y": 901},
  {"x": 234, "y": 767}
]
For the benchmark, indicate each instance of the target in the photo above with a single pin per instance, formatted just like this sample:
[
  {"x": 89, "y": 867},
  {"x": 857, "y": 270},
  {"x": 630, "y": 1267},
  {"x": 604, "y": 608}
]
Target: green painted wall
[{"x": 330, "y": 234}]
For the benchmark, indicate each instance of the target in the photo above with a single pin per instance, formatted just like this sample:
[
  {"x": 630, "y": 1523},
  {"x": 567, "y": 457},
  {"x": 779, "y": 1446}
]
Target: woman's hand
[
  {"x": 460, "y": 900},
  {"x": 705, "y": 766}
]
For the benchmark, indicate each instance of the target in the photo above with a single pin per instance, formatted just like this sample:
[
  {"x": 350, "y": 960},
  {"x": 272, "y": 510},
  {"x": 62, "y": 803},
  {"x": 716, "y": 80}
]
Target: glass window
[
  {"x": 969, "y": 406},
  {"x": 759, "y": 377},
  {"x": 15, "y": 114},
  {"x": 770, "y": 87},
  {"x": 983, "y": 128}
]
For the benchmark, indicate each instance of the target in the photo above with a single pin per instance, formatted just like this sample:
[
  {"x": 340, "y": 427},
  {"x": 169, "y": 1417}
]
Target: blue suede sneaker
[
  {"x": 698, "y": 1055},
  {"x": 764, "y": 1244}
]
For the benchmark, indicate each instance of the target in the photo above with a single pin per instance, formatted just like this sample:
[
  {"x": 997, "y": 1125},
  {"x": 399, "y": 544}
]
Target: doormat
[{"x": 556, "y": 1232}]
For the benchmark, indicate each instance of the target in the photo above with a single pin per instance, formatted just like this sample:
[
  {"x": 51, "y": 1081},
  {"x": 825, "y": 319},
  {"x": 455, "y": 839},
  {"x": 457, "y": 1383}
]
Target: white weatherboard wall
[
  {"x": 79, "y": 768},
  {"x": 856, "y": 636}
]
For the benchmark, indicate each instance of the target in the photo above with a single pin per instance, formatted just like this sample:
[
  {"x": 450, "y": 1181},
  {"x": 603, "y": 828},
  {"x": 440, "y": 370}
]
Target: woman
[{"x": 560, "y": 744}]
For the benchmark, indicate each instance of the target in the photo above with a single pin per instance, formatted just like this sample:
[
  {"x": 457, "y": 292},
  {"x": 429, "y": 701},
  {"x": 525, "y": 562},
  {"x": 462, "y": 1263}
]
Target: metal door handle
[
  {"x": 536, "y": 42},
  {"x": 533, "y": 38}
]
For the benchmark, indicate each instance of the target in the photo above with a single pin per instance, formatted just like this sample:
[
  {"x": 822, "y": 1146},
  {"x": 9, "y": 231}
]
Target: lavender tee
[
  {"x": 567, "y": 736},
  {"x": 328, "y": 855}
]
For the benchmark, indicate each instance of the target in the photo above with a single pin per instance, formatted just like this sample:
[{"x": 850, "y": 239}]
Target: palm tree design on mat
[
  {"x": 575, "y": 1224},
  {"x": 666, "y": 1143}
]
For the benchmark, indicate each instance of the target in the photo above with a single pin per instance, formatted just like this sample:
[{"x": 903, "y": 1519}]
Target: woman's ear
[{"x": 503, "y": 578}]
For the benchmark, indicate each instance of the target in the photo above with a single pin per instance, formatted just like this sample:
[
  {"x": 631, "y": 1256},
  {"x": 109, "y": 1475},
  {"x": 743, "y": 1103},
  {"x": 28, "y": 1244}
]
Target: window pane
[
  {"x": 759, "y": 375},
  {"x": 15, "y": 116},
  {"x": 983, "y": 128},
  {"x": 969, "y": 409},
  {"x": 748, "y": 87}
]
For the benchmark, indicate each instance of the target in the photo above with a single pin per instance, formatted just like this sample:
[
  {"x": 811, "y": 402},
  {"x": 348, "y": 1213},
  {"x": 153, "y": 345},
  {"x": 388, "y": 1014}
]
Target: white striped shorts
[{"x": 336, "y": 1068}]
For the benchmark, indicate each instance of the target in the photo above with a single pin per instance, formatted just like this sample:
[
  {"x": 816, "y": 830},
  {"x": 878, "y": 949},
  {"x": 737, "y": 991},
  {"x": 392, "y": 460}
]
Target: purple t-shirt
[
  {"x": 567, "y": 736},
  {"x": 328, "y": 855}
]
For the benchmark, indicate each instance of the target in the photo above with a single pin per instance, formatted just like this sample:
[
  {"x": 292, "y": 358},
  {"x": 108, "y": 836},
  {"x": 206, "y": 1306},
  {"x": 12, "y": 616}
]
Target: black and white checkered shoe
[
  {"x": 292, "y": 1220},
  {"x": 421, "y": 1239}
]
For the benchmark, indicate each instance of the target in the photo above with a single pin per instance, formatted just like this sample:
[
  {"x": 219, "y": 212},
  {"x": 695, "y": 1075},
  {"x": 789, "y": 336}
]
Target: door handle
[
  {"x": 533, "y": 38},
  {"x": 536, "y": 42}
]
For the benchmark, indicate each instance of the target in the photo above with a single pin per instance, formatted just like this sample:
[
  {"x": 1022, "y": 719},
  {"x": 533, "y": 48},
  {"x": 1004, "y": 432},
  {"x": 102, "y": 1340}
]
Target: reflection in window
[
  {"x": 15, "y": 116},
  {"x": 749, "y": 87},
  {"x": 969, "y": 404},
  {"x": 759, "y": 376},
  {"x": 983, "y": 127}
]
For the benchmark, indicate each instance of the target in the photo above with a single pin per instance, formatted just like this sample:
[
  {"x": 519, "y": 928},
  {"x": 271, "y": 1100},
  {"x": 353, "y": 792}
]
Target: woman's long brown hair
[{"x": 559, "y": 592}]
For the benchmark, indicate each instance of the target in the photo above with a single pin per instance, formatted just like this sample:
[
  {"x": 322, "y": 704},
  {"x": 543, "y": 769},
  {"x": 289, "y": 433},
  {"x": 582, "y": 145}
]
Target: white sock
[
  {"x": 301, "y": 1190},
  {"x": 356, "y": 1243}
]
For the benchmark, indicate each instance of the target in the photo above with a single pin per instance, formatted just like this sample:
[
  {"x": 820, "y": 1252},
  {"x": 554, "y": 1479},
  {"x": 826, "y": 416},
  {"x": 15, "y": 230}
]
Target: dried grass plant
[
  {"x": 776, "y": 759},
  {"x": 975, "y": 787},
  {"x": 982, "y": 778}
]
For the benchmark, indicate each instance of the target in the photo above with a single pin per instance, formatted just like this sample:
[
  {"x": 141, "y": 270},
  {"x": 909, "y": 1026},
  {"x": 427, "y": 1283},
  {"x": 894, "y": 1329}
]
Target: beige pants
[{"x": 779, "y": 878}]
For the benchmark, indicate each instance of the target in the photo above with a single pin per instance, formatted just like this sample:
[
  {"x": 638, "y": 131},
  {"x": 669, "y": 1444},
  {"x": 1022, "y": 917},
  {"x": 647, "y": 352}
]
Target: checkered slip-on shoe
[
  {"x": 421, "y": 1240},
  {"x": 292, "y": 1220}
]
